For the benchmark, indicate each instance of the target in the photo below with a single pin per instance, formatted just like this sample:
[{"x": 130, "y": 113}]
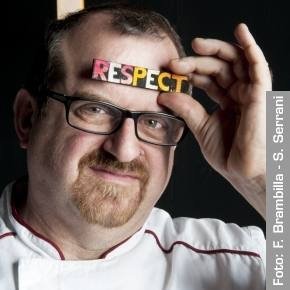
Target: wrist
[{"x": 253, "y": 190}]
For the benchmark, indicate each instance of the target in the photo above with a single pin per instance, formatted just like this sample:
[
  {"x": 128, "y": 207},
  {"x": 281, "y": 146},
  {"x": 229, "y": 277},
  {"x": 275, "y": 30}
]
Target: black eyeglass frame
[{"x": 68, "y": 100}]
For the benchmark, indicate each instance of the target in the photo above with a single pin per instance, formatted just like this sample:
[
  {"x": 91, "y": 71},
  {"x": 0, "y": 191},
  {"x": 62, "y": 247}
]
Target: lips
[{"x": 114, "y": 175}]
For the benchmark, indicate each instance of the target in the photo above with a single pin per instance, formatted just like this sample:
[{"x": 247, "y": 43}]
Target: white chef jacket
[{"x": 166, "y": 253}]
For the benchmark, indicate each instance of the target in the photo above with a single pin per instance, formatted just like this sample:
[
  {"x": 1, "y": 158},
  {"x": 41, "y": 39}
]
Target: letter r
[{"x": 100, "y": 67}]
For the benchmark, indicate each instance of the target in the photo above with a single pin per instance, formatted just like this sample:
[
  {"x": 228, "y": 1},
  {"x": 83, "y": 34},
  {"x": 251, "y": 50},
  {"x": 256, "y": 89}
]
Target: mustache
[{"x": 107, "y": 161}]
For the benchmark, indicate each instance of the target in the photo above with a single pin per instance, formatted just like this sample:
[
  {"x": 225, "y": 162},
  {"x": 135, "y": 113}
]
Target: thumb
[{"x": 184, "y": 106}]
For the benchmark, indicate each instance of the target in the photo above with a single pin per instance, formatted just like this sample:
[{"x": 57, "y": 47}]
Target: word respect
[{"x": 139, "y": 77}]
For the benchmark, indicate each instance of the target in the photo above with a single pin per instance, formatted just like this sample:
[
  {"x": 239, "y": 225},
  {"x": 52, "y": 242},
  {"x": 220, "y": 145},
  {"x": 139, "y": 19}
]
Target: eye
[
  {"x": 93, "y": 109},
  {"x": 155, "y": 124}
]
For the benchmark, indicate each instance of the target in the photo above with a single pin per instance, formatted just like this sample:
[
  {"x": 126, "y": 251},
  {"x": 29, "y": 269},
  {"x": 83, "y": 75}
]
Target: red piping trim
[
  {"x": 103, "y": 256},
  {"x": 208, "y": 252},
  {"x": 23, "y": 223},
  {"x": 7, "y": 234}
]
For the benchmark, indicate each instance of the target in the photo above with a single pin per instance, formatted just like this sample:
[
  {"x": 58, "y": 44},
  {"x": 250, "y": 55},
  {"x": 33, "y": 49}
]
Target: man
[{"x": 100, "y": 155}]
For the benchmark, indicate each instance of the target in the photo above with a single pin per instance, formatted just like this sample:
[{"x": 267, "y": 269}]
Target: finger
[
  {"x": 259, "y": 71},
  {"x": 211, "y": 66},
  {"x": 226, "y": 51},
  {"x": 219, "y": 48},
  {"x": 187, "y": 108},
  {"x": 215, "y": 92},
  {"x": 241, "y": 70}
]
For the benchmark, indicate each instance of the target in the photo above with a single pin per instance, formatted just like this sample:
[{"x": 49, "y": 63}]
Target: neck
[{"x": 77, "y": 239}]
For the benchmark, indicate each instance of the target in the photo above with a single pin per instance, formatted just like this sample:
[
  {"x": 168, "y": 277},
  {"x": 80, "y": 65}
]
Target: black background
[{"x": 195, "y": 189}]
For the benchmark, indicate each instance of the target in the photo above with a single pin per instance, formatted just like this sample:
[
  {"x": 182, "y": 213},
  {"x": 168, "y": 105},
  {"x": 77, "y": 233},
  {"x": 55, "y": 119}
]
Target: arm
[{"x": 232, "y": 139}]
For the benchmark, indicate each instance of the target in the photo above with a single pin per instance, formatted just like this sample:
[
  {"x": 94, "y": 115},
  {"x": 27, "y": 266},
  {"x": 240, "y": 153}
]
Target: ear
[{"x": 25, "y": 110}]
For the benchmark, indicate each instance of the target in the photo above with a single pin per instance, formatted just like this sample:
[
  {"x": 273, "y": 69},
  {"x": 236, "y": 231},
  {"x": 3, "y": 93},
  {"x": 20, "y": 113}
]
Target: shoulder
[
  {"x": 205, "y": 235},
  {"x": 207, "y": 251},
  {"x": 6, "y": 230}
]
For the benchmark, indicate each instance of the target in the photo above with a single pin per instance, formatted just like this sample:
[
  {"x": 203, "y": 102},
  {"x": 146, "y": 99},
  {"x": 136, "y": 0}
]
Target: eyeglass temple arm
[{"x": 56, "y": 96}]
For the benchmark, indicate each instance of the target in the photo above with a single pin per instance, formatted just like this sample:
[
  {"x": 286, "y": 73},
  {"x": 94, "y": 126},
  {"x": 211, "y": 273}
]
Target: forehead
[{"x": 94, "y": 39}]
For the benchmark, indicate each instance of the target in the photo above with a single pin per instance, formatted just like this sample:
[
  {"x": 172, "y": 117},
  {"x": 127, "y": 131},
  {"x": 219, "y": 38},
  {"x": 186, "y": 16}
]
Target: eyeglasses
[{"x": 99, "y": 117}]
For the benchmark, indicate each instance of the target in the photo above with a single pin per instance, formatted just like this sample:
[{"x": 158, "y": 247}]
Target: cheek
[
  {"x": 70, "y": 149},
  {"x": 56, "y": 155},
  {"x": 161, "y": 168}
]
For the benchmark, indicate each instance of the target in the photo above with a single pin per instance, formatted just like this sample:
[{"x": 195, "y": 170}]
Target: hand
[{"x": 233, "y": 138}]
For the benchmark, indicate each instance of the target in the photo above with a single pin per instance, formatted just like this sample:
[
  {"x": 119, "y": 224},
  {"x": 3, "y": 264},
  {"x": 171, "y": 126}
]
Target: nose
[{"x": 124, "y": 144}]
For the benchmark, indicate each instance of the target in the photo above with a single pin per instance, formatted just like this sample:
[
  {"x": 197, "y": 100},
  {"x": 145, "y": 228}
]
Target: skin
[
  {"x": 234, "y": 77},
  {"x": 54, "y": 149},
  {"x": 237, "y": 78}
]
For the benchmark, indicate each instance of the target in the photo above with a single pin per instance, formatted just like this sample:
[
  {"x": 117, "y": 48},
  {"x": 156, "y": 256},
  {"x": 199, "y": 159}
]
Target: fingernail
[
  {"x": 245, "y": 25},
  {"x": 179, "y": 61},
  {"x": 199, "y": 39}
]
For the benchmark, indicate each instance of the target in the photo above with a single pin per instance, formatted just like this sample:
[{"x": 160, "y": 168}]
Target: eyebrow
[
  {"x": 97, "y": 97},
  {"x": 90, "y": 96}
]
